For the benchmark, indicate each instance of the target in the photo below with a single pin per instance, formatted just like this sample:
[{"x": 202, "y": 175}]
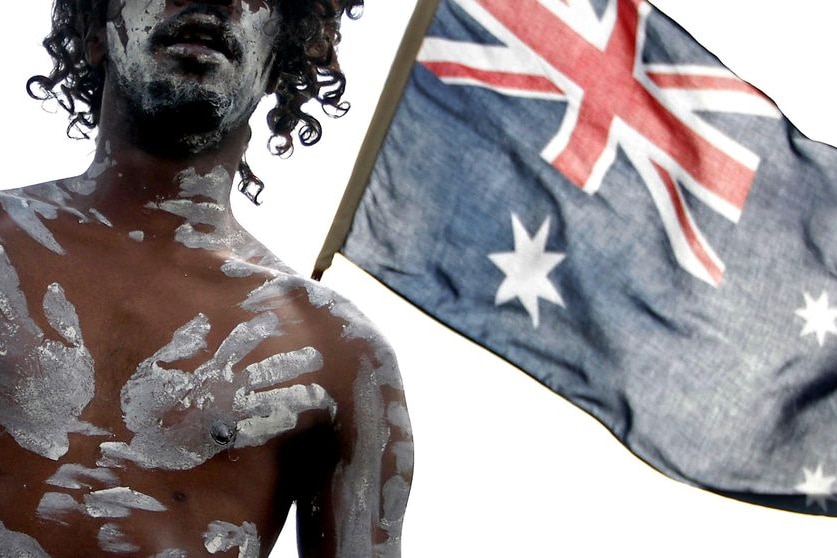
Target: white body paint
[
  {"x": 55, "y": 507},
  {"x": 221, "y": 536},
  {"x": 172, "y": 553},
  {"x": 118, "y": 502},
  {"x": 75, "y": 476},
  {"x": 361, "y": 501},
  {"x": 213, "y": 398},
  {"x": 16, "y": 544},
  {"x": 235, "y": 86},
  {"x": 110, "y": 503},
  {"x": 28, "y": 208},
  {"x": 112, "y": 539},
  {"x": 248, "y": 256},
  {"x": 41, "y": 410}
]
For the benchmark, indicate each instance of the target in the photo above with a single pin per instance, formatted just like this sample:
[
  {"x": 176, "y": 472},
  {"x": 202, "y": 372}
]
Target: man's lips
[{"x": 198, "y": 35}]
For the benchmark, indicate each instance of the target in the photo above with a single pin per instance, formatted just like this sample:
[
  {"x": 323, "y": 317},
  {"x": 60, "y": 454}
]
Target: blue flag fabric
[{"x": 583, "y": 189}]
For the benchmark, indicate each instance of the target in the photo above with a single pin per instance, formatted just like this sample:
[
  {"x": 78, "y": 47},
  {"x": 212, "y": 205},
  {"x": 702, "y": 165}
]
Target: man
[{"x": 168, "y": 388}]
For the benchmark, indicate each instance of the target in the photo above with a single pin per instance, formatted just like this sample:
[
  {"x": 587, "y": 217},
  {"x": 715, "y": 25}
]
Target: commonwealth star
[
  {"x": 527, "y": 270},
  {"x": 819, "y": 317},
  {"x": 817, "y": 487}
]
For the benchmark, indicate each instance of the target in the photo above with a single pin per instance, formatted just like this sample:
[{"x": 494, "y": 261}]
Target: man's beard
[{"x": 174, "y": 115}]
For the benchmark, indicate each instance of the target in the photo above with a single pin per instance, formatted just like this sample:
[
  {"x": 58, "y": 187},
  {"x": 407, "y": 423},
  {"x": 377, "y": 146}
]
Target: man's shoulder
[
  {"x": 46, "y": 198},
  {"x": 27, "y": 208},
  {"x": 354, "y": 331},
  {"x": 41, "y": 189}
]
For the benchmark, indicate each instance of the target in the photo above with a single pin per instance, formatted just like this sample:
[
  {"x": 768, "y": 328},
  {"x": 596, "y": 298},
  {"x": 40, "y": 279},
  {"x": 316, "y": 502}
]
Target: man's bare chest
[{"x": 166, "y": 397}]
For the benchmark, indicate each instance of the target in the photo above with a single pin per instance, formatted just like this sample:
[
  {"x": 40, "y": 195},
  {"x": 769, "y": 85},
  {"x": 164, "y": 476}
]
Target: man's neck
[{"x": 125, "y": 179}]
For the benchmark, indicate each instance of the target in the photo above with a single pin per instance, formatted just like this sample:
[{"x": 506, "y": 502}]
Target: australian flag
[{"x": 580, "y": 187}]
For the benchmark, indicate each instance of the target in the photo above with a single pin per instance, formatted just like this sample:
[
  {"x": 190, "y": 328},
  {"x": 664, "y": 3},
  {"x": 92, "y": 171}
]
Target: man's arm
[{"x": 357, "y": 509}]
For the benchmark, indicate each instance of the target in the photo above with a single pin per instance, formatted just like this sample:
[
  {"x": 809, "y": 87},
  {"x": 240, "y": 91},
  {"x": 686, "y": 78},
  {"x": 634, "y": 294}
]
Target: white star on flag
[
  {"x": 817, "y": 487},
  {"x": 527, "y": 269},
  {"x": 819, "y": 317}
]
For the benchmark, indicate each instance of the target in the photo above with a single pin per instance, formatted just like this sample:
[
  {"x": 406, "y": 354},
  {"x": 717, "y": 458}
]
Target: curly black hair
[{"x": 307, "y": 69}]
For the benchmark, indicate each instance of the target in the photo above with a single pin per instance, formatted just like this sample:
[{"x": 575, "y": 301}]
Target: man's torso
[{"x": 156, "y": 394}]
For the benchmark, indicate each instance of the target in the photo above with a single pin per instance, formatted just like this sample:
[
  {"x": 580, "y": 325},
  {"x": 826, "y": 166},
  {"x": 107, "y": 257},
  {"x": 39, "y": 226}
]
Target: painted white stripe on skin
[
  {"x": 404, "y": 458},
  {"x": 284, "y": 367},
  {"x": 359, "y": 500},
  {"x": 271, "y": 294},
  {"x": 359, "y": 480},
  {"x": 243, "y": 339},
  {"x": 277, "y": 411},
  {"x": 112, "y": 539},
  {"x": 212, "y": 214},
  {"x": 86, "y": 184},
  {"x": 119, "y": 502},
  {"x": 254, "y": 258},
  {"x": 71, "y": 475},
  {"x": 223, "y": 237},
  {"x": 172, "y": 553},
  {"x": 137, "y": 236},
  {"x": 398, "y": 417},
  {"x": 20, "y": 545},
  {"x": 54, "y": 506},
  {"x": 24, "y": 212},
  {"x": 395, "y": 493},
  {"x": 101, "y": 218},
  {"x": 40, "y": 411},
  {"x": 13, "y": 308},
  {"x": 27, "y": 207},
  {"x": 221, "y": 536}
]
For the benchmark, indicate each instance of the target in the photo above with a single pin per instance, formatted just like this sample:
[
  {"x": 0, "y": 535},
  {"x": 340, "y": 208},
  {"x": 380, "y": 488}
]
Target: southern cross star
[
  {"x": 819, "y": 317},
  {"x": 817, "y": 487},
  {"x": 527, "y": 270}
]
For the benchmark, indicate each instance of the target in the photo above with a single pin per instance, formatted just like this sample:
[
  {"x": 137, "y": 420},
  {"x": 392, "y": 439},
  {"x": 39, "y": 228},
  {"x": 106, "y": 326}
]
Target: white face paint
[{"x": 158, "y": 63}]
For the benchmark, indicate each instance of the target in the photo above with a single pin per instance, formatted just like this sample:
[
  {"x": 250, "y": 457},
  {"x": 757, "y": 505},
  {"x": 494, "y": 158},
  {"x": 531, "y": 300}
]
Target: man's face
[{"x": 211, "y": 60}]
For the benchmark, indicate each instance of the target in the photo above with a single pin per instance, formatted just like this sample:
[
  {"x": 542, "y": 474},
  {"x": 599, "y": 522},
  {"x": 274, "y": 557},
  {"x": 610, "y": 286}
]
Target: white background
[{"x": 504, "y": 468}]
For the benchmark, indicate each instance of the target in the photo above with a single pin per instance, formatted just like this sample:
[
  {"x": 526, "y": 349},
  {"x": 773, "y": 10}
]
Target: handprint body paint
[
  {"x": 47, "y": 383},
  {"x": 180, "y": 419}
]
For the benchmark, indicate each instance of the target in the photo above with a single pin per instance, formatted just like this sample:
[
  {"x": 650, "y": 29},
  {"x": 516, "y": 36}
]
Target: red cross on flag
[{"x": 565, "y": 51}]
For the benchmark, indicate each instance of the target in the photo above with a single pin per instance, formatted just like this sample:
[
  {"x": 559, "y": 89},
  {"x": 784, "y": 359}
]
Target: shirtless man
[{"x": 167, "y": 387}]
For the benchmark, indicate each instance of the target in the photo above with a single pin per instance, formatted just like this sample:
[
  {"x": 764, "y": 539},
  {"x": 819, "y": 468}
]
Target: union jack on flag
[
  {"x": 583, "y": 189},
  {"x": 564, "y": 51}
]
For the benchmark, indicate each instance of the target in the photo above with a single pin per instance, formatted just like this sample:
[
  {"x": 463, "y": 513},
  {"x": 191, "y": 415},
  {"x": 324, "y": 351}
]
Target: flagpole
[{"x": 399, "y": 74}]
